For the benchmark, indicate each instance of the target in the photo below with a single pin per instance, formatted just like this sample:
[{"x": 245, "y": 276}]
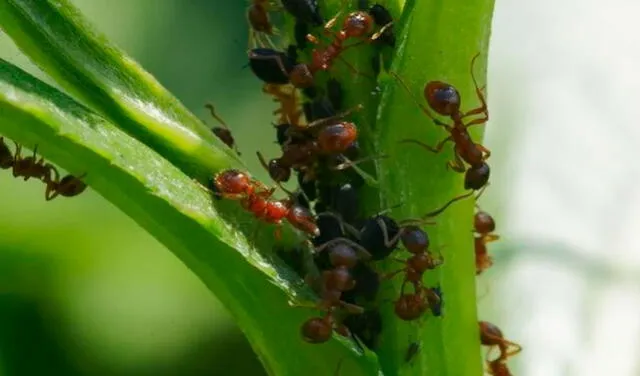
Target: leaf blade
[{"x": 61, "y": 42}]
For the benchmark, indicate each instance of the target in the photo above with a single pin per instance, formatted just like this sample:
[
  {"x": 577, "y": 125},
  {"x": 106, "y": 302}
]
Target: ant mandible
[{"x": 444, "y": 99}]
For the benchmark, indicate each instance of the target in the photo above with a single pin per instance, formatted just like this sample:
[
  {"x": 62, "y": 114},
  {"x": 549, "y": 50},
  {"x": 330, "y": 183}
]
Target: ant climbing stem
[
  {"x": 224, "y": 132},
  {"x": 445, "y": 100}
]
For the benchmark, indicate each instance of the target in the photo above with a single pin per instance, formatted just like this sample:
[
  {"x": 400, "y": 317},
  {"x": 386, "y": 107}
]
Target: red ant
[
  {"x": 444, "y": 99},
  {"x": 223, "y": 133},
  {"x": 259, "y": 22},
  {"x": 326, "y": 136},
  {"x": 333, "y": 283},
  {"x": 410, "y": 307},
  {"x": 254, "y": 197},
  {"x": 357, "y": 25},
  {"x": 6, "y": 156},
  {"x": 491, "y": 335}
]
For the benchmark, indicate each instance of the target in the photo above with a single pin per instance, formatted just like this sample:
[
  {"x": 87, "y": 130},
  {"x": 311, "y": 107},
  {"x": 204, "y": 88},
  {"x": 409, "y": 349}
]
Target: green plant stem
[{"x": 438, "y": 42}]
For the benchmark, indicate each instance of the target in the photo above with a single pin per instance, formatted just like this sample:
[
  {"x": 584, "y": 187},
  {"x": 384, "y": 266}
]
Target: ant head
[
  {"x": 343, "y": 255},
  {"x": 278, "y": 171},
  {"x": 232, "y": 182},
  {"x": 442, "y": 98},
  {"x": 490, "y": 334},
  {"x": 410, "y": 307},
  {"x": 301, "y": 77},
  {"x": 477, "y": 177},
  {"x": 317, "y": 330},
  {"x": 302, "y": 219},
  {"x": 337, "y": 138},
  {"x": 358, "y": 24},
  {"x": 483, "y": 222},
  {"x": 414, "y": 239}
]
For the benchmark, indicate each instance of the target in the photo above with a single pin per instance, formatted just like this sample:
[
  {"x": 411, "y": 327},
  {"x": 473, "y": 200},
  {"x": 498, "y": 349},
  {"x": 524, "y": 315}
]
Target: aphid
[
  {"x": 484, "y": 225},
  {"x": 306, "y": 11},
  {"x": 335, "y": 93},
  {"x": 300, "y": 31},
  {"x": 223, "y": 132},
  {"x": 436, "y": 304},
  {"x": 382, "y": 17},
  {"x": 68, "y": 186},
  {"x": 412, "y": 351},
  {"x": 491, "y": 335},
  {"x": 367, "y": 284},
  {"x": 260, "y": 25},
  {"x": 308, "y": 187},
  {"x": 444, "y": 99},
  {"x": 6, "y": 156},
  {"x": 271, "y": 66}
]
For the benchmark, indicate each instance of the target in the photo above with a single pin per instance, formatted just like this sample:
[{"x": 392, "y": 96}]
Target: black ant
[
  {"x": 68, "y": 186},
  {"x": 444, "y": 99},
  {"x": 305, "y": 11},
  {"x": 223, "y": 133}
]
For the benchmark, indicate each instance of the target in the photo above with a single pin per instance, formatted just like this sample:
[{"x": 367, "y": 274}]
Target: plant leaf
[
  {"x": 178, "y": 212},
  {"x": 60, "y": 41}
]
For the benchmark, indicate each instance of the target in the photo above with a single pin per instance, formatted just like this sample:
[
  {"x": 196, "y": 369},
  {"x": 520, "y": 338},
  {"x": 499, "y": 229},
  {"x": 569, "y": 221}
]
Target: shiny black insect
[
  {"x": 304, "y": 11},
  {"x": 271, "y": 66}
]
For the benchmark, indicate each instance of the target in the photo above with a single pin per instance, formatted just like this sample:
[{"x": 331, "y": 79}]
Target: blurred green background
[{"x": 85, "y": 291}]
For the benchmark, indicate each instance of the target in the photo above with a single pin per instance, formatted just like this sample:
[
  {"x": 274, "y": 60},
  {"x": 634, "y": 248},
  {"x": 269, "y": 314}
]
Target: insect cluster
[
  {"x": 37, "y": 168},
  {"x": 320, "y": 147}
]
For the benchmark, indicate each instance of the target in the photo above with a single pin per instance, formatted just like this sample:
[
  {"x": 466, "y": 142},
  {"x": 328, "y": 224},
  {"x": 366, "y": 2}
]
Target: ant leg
[
  {"x": 52, "y": 186},
  {"x": 435, "y": 150},
  {"x": 445, "y": 206},
  {"x": 16, "y": 157},
  {"x": 385, "y": 234},
  {"x": 490, "y": 238},
  {"x": 457, "y": 164},
  {"x": 380, "y": 32},
  {"x": 343, "y": 225},
  {"x": 349, "y": 242},
  {"x": 487, "y": 152},
  {"x": 331, "y": 119},
  {"x": 368, "y": 179},
  {"x": 350, "y": 163},
  {"x": 351, "y": 308},
  {"x": 392, "y": 274},
  {"x": 353, "y": 69}
]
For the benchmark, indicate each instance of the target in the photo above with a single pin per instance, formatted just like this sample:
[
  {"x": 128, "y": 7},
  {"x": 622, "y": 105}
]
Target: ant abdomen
[
  {"x": 442, "y": 98},
  {"x": 337, "y": 138},
  {"x": 477, "y": 177}
]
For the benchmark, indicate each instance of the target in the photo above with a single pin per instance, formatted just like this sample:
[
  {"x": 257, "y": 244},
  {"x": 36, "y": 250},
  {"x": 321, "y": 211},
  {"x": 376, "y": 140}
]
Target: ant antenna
[
  {"x": 445, "y": 206},
  {"x": 212, "y": 111}
]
